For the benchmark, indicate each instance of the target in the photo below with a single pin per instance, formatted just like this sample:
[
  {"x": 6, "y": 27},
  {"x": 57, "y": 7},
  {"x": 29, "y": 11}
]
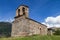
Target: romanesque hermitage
[{"x": 24, "y": 26}]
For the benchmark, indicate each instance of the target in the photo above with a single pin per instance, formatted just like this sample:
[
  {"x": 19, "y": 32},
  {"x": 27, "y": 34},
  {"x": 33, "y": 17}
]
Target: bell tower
[
  {"x": 22, "y": 10},
  {"x": 20, "y": 25}
]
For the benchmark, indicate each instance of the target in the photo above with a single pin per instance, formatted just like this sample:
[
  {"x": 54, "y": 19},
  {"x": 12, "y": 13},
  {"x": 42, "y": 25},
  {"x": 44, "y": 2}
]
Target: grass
[{"x": 36, "y": 37}]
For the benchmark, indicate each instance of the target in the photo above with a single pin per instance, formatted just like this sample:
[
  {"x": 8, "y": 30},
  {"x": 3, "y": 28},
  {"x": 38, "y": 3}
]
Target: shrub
[{"x": 57, "y": 32}]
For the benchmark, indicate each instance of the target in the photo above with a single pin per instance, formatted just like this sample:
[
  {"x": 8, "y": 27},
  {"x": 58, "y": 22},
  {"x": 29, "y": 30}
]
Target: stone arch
[
  {"x": 18, "y": 12},
  {"x": 23, "y": 9}
]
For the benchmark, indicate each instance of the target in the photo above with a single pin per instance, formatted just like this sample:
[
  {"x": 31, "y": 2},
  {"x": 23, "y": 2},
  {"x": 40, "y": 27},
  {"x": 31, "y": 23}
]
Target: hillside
[{"x": 5, "y": 28}]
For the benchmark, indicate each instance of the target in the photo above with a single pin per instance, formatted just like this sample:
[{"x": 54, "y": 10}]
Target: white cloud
[
  {"x": 6, "y": 20},
  {"x": 9, "y": 20},
  {"x": 52, "y": 21}
]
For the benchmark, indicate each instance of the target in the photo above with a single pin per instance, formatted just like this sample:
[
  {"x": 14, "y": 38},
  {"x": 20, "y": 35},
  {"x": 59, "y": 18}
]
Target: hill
[{"x": 5, "y": 29}]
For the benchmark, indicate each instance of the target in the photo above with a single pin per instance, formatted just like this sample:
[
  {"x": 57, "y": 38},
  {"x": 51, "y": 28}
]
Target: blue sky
[{"x": 39, "y": 10}]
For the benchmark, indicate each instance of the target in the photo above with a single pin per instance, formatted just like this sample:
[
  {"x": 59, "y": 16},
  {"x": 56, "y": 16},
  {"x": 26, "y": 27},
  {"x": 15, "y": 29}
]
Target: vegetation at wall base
[{"x": 36, "y": 37}]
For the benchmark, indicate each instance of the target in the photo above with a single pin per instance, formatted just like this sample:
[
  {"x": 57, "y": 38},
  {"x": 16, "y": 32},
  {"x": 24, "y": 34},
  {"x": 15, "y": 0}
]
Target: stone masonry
[{"x": 25, "y": 26}]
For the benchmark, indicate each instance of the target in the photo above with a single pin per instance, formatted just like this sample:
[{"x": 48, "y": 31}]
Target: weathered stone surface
[{"x": 24, "y": 26}]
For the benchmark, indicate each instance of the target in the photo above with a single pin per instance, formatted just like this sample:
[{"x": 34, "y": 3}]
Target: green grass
[{"x": 36, "y": 37}]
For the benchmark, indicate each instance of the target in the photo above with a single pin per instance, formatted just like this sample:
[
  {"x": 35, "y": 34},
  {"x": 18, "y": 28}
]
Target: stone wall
[
  {"x": 37, "y": 28},
  {"x": 23, "y": 27},
  {"x": 20, "y": 27}
]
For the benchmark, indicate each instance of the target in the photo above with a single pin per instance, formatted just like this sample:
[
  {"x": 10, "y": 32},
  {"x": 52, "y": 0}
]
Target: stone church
[{"x": 25, "y": 26}]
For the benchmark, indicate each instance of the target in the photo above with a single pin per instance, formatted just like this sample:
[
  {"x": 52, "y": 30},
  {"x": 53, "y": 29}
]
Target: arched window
[
  {"x": 23, "y": 9},
  {"x": 18, "y": 12},
  {"x": 40, "y": 28}
]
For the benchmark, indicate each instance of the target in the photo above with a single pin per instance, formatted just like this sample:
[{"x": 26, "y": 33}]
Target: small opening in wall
[
  {"x": 18, "y": 12},
  {"x": 23, "y": 10},
  {"x": 40, "y": 28}
]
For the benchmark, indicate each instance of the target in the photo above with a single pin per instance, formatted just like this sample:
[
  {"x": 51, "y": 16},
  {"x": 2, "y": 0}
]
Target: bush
[{"x": 57, "y": 32}]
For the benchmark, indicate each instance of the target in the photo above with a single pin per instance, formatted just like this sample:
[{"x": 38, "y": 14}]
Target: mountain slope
[{"x": 5, "y": 28}]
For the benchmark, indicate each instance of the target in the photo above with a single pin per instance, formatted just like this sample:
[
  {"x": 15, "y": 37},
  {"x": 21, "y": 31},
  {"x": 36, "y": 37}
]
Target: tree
[{"x": 57, "y": 32}]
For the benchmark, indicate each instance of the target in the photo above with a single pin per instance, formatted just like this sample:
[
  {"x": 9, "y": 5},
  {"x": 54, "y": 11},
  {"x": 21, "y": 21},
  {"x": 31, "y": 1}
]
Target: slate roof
[{"x": 30, "y": 19}]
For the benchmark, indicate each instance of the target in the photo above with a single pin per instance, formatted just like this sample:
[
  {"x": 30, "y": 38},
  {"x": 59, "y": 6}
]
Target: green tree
[{"x": 57, "y": 32}]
